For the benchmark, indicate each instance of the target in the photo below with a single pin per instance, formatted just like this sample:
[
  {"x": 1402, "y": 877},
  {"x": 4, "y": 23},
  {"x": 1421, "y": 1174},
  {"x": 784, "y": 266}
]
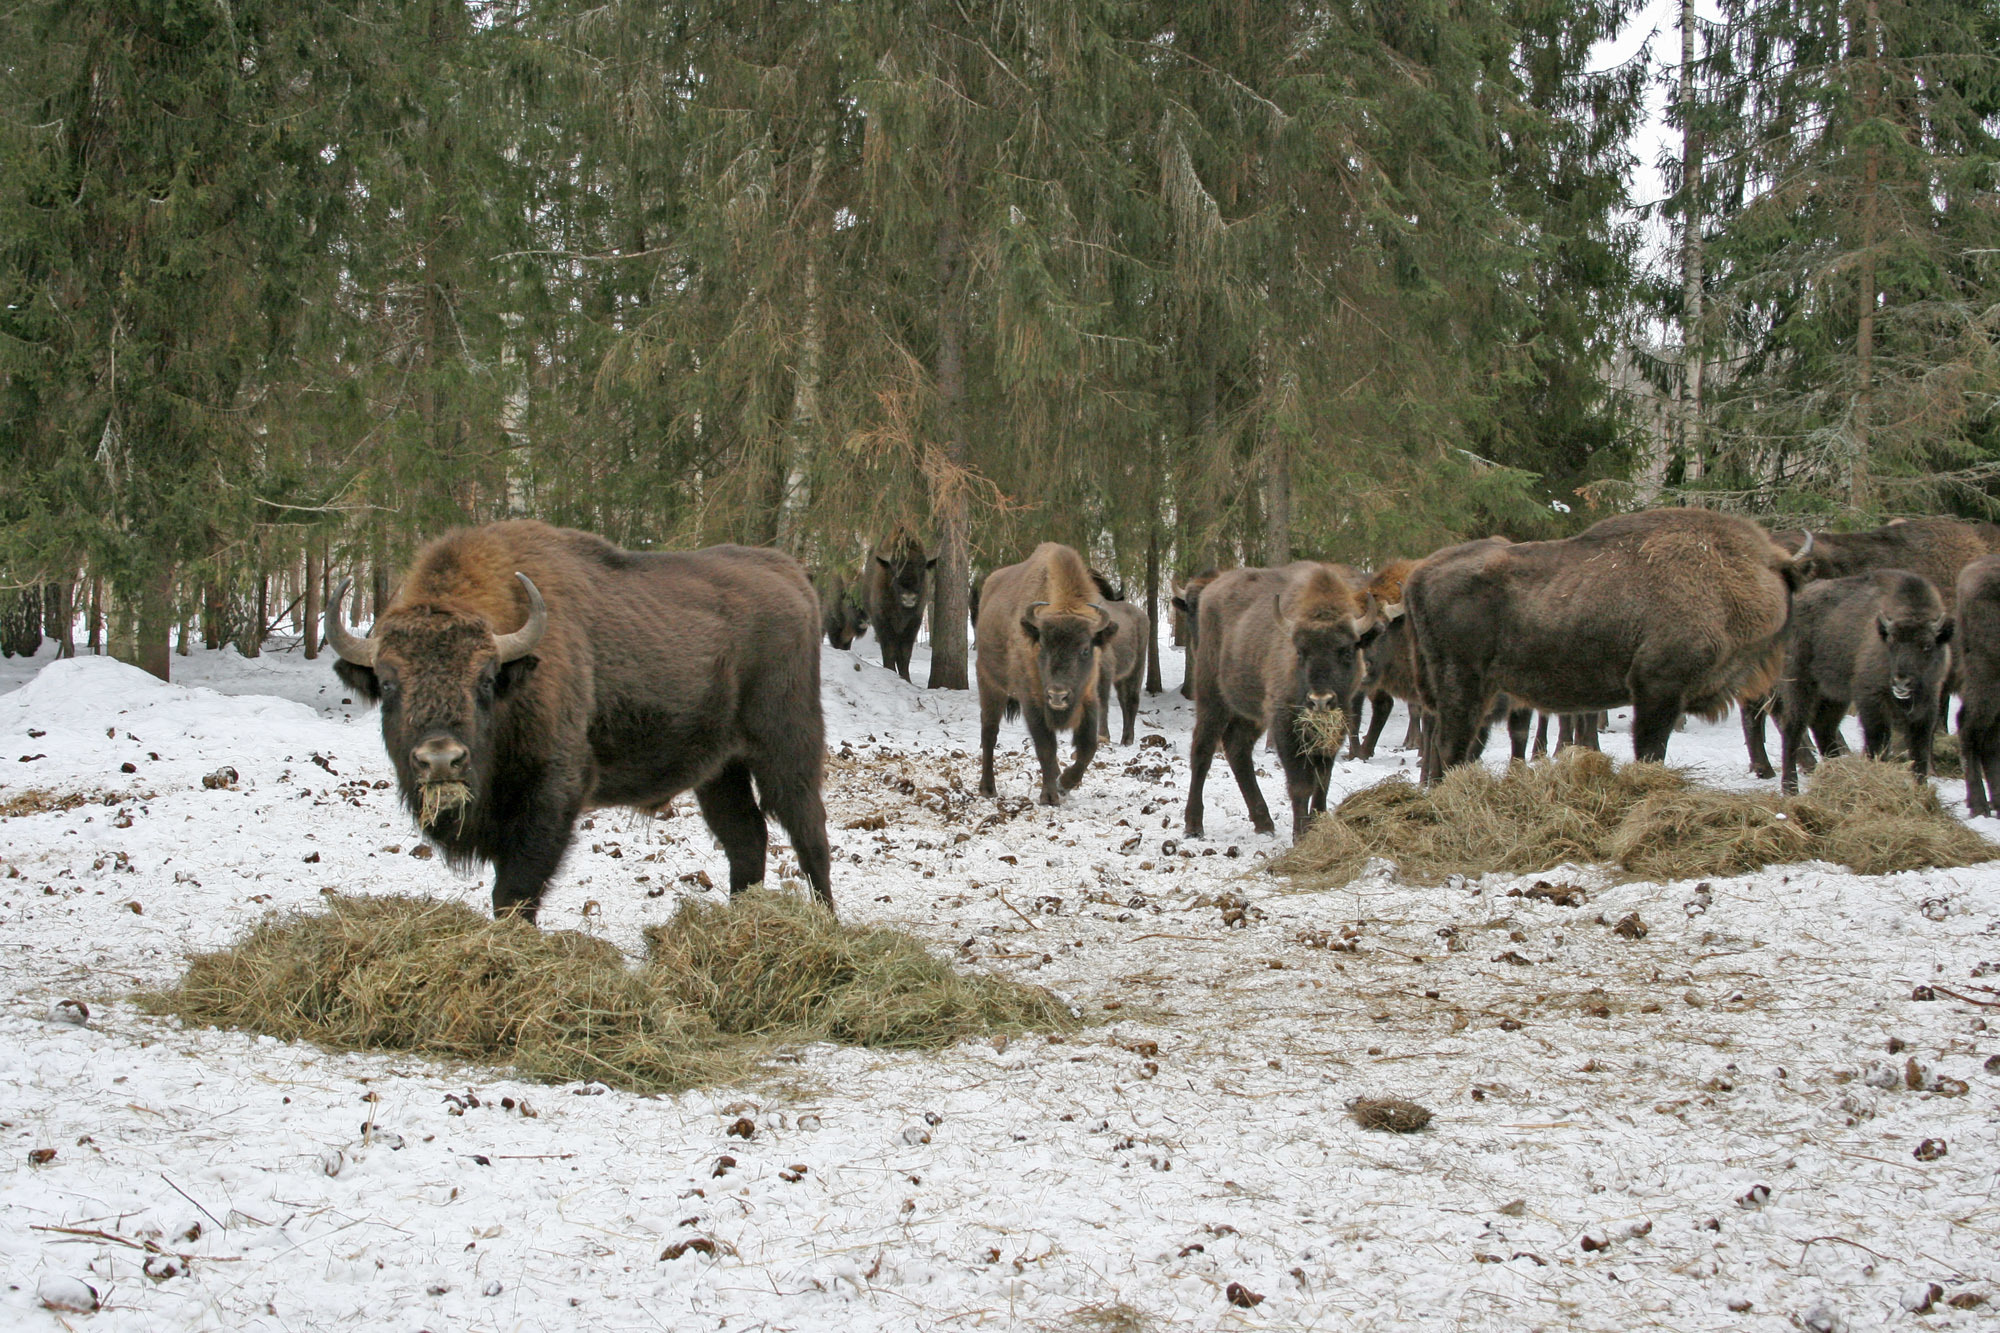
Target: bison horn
[
  {"x": 1103, "y": 616},
  {"x": 1392, "y": 611},
  {"x": 1805, "y": 550},
  {"x": 523, "y": 640},
  {"x": 361, "y": 652}
]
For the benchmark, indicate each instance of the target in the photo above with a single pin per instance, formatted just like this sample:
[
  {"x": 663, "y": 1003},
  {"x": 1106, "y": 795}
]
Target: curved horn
[
  {"x": 361, "y": 652},
  {"x": 1805, "y": 550},
  {"x": 1392, "y": 611},
  {"x": 1033, "y": 607},
  {"x": 1104, "y": 616},
  {"x": 523, "y": 640}
]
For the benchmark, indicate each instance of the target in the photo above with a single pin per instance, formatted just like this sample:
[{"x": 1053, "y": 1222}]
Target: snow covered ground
[{"x": 1708, "y": 1128}]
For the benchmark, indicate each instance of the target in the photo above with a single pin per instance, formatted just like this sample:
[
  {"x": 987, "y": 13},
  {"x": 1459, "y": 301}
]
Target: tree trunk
[
  {"x": 61, "y": 616},
  {"x": 1693, "y": 443},
  {"x": 950, "y": 505},
  {"x": 1860, "y": 488},
  {"x": 153, "y": 647},
  {"x": 315, "y": 576},
  {"x": 1278, "y": 503},
  {"x": 1153, "y": 605},
  {"x": 802, "y": 435},
  {"x": 96, "y": 626}
]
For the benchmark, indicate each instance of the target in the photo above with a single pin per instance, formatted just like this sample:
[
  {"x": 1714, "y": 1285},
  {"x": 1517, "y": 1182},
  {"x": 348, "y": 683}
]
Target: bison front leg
[
  {"x": 1384, "y": 703},
  {"x": 1201, "y": 753},
  {"x": 1655, "y": 714},
  {"x": 534, "y": 841},
  {"x": 1086, "y": 747},
  {"x": 1239, "y": 743},
  {"x": 991, "y": 705},
  {"x": 1128, "y": 705},
  {"x": 729, "y": 808},
  {"x": 1043, "y": 734}
]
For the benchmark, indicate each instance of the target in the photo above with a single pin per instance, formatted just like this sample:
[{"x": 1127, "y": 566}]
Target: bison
[
  {"x": 528, "y": 673},
  {"x": 1186, "y": 611},
  {"x": 1272, "y": 644},
  {"x": 1041, "y": 652},
  {"x": 893, "y": 593},
  {"x": 843, "y": 618},
  {"x": 1877, "y": 641},
  {"x": 1669, "y": 610},
  {"x": 1977, "y": 648},
  {"x": 1124, "y": 665}
]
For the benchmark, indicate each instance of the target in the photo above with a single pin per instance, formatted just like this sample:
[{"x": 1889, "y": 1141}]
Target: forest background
[{"x": 286, "y": 289}]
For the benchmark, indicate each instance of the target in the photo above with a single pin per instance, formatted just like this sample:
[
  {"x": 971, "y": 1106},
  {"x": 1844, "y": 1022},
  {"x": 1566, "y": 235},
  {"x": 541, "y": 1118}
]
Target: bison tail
[{"x": 1013, "y": 709}]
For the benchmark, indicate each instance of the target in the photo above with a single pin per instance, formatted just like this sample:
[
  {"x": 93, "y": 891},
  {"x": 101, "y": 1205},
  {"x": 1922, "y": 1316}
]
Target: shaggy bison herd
[{"x": 528, "y": 673}]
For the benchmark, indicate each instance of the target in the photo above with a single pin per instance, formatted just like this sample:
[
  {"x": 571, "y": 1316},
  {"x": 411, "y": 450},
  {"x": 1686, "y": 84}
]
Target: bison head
[
  {"x": 438, "y": 671},
  {"x": 1066, "y": 647},
  {"x": 1915, "y": 653},
  {"x": 906, "y": 570},
  {"x": 1326, "y": 647}
]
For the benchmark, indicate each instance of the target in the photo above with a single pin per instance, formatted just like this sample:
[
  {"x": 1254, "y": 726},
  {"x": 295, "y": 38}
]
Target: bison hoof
[
  {"x": 1762, "y": 771},
  {"x": 1050, "y": 796},
  {"x": 1264, "y": 826},
  {"x": 1071, "y": 779}
]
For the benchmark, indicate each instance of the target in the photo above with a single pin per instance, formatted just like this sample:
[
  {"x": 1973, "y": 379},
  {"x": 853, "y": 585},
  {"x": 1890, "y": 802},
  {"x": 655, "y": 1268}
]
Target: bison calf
[
  {"x": 1041, "y": 637},
  {"x": 528, "y": 673},
  {"x": 1877, "y": 641},
  {"x": 1273, "y": 643},
  {"x": 893, "y": 594},
  {"x": 1124, "y": 664},
  {"x": 842, "y": 617},
  {"x": 1978, "y": 651}
]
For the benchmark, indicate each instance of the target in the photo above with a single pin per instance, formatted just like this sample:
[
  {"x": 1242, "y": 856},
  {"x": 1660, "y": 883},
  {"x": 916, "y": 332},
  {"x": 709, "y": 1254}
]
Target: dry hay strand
[
  {"x": 441, "y": 797},
  {"x": 781, "y": 966},
  {"x": 441, "y": 979},
  {"x": 1118, "y": 1317},
  {"x": 42, "y": 801},
  {"x": 1650, "y": 821},
  {"x": 1389, "y": 1113},
  {"x": 1320, "y": 730}
]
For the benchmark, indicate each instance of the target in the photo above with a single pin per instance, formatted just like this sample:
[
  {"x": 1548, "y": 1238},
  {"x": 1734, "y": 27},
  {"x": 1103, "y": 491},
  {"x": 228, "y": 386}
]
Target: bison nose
[
  {"x": 440, "y": 759},
  {"x": 909, "y": 599},
  {"x": 1319, "y": 703},
  {"x": 1056, "y": 699}
]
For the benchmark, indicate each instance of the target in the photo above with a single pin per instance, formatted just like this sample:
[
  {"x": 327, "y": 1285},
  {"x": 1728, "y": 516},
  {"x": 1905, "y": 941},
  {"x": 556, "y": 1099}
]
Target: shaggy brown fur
[
  {"x": 1186, "y": 614},
  {"x": 893, "y": 593},
  {"x": 1389, "y": 666},
  {"x": 1669, "y": 610},
  {"x": 1042, "y": 635},
  {"x": 1124, "y": 665},
  {"x": 1878, "y": 641},
  {"x": 1273, "y": 642},
  {"x": 1978, "y": 654},
  {"x": 656, "y": 673},
  {"x": 842, "y": 617}
]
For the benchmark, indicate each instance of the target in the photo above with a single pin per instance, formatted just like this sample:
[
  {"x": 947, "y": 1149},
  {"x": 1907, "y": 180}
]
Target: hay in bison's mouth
[
  {"x": 1321, "y": 730},
  {"x": 435, "y": 798}
]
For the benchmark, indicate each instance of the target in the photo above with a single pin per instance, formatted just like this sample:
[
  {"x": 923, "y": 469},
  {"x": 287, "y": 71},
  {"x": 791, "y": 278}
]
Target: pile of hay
[
  {"x": 1650, "y": 821},
  {"x": 722, "y": 988}
]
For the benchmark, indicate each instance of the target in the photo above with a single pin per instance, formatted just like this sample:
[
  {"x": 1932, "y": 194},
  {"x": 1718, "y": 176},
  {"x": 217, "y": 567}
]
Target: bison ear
[
  {"x": 1180, "y": 605},
  {"x": 1945, "y": 628},
  {"x": 931, "y": 563},
  {"x": 1104, "y": 632},
  {"x": 1882, "y": 627},
  {"x": 883, "y": 561},
  {"x": 512, "y": 674},
  {"x": 362, "y": 680},
  {"x": 1031, "y": 627}
]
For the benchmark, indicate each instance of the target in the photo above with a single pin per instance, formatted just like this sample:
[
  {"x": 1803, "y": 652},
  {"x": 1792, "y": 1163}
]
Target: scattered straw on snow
[
  {"x": 722, "y": 988},
  {"x": 1649, "y": 820}
]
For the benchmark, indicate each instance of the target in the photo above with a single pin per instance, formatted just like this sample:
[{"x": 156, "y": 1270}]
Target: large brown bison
[
  {"x": 1935, "y": 548},
  {"x": 1273, "y": 643},
  {"x": 893, "y": 592},
  {"x": 527, "y": 673},
  {"x": 1670, "y": 610},
  {"x": 843, "y": 619},
  {"x": 1878, "y": 641},
  {"x": 1124, "y": 665},
  {"x": 1978, "y": 654},
  {"x": 1186, "y": 606},
  {"x": 1041, "y": 641}
]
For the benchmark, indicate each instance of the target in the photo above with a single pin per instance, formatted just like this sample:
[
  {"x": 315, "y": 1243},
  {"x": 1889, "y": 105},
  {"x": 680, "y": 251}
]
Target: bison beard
[{"x": 642, "y": 676}]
